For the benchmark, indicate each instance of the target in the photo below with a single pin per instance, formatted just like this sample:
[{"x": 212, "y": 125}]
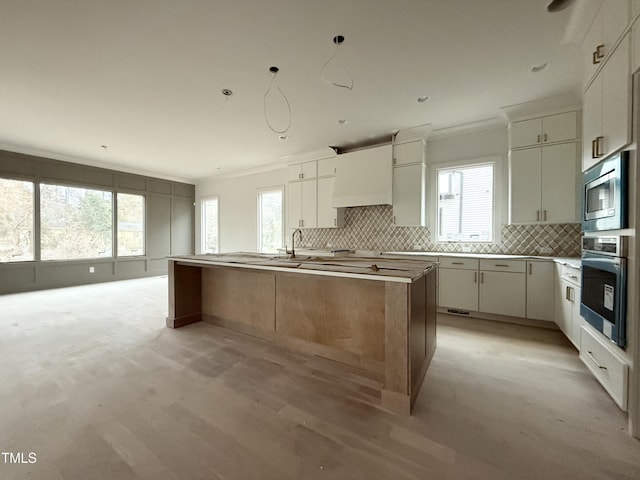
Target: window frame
[
  {"x": 498, "y": 197},
  {"x": 203, "y": 222},
  {"x": 116, "y": 240},
  {"x": 86, "y": 186},
  {"x": 35, "y": 227},
  {"x": 259, "y": 192}
]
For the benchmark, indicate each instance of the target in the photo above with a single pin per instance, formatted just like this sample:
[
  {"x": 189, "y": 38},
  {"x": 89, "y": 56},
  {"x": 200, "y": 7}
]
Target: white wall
[
  {"x": 469, "y": 146},
  {"x": 238, "y": 216}
]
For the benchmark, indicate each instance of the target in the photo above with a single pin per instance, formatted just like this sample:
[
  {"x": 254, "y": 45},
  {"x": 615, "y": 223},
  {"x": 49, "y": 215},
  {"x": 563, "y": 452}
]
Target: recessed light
[
  {"x": 104, "y": 147},
  {"x": 539, "y": 68},
  {"x": 422, "y": 99},
  {"x": 226, "y": 92},
  {"x": 342, "y": 121},
  {"x": 283, "y": 137}
]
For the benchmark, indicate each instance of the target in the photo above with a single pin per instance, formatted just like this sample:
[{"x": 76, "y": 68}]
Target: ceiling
[{"x": 144, "y": 77}]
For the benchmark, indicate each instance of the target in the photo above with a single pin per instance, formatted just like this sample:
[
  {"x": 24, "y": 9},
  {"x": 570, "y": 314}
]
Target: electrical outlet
[
  {"x": 417, "y": 247},
  {"x": 329, "y": 245},
  {"x": 92, "y": 269},
  {"x": 545, "y": 250},
  {"x": 466, "y": 248}
]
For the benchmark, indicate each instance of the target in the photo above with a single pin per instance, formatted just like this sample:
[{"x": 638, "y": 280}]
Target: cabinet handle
[
  {"x": 590, "y": 353},
  {"x": 335, "y": 222},
  {"x": 481, "y": 277},
  {"x": 457, "y": 263},
  {"x": 598, "y": 55},
  {"x": 537, "y": 215},
  {"x": 544, "y": 138},
  {"x": 302, "y": 223},
  {"x": 475, "y": 277},
  {"x": 593, "y": 148},
  {"x": 599, "y": 152},
  {"x": 501, "y": 265},
  {"x": 394, "y": 160},
  {"x": 530, "y": 269},
  {"x": 393, "y": 220},
  {"x": 538, "y": 141},
  {"x": 574, "y": 277},
  {"x": 567, "y": 293},
  {"x": 544, "y": 215}
]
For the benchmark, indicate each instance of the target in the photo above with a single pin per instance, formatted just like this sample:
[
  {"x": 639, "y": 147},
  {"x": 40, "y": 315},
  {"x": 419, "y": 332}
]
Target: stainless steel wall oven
[{"x": 604, "y": 284}]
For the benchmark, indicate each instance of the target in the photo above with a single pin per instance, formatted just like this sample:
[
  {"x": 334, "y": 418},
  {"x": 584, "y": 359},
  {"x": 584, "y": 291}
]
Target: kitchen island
[{"x": 377, "y": 314}]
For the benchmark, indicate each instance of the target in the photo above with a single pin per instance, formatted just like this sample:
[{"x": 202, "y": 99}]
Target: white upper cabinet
[
  {"x": 302, "y": 171},
  {"x": 607, "y": 108},
  {"x": 549, "y": 129},
  {"x": 327, "y": 167},
  {"x": 542, "y": 184},
  {"x": 635, "y": 61},
  {"x": 408, "y": 153},
  {"x": 606, "y": 29},
  {"x": 328, "y": 217},
  {"x": 302, "y": 204},
  {"x": 408, "y": 196}
]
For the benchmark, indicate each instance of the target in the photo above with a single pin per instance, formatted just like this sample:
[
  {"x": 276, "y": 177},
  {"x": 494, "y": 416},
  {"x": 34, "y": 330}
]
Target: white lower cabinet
[
  {"x": 502, "y": 293},
  {"x": 567, "y": 303},
  {"x": 458, "y": 283},
  {"x": 540, "y": 277},
  {"x": 609, "y": 368}
]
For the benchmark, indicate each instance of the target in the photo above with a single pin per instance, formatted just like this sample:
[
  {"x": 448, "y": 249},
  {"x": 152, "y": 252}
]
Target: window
[
  {"x": 210, "y": 243},
  {"x": 75, "y": 223},
  {"x": 270, "y": 220},
  {"x": 130, "y": 225},
  {"x": 466, "y": 203},
  {"x": 16, "y": 220}
]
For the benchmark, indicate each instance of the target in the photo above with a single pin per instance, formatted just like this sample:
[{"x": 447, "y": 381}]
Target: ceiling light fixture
[
  {"x": 338, "y": 40},
  {"x": 557, "y": 5},
  {"x": 422, "y": 99},
  {"x": 342, "y": 121},
  {"x": 274, "y": 72},
  {"x": 539, "y": 68}
]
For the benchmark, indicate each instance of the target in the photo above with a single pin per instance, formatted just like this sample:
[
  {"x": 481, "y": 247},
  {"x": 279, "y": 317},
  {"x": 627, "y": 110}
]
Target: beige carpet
[{"x": 95, "y": 385}]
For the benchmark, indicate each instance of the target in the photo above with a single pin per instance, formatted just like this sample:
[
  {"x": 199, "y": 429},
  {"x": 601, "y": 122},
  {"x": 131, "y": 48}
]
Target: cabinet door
[
  {"x": 524, "y": 185},
  {"x": 408, "y": 196},
  {"x": 592, "y": 40},
  {"x": 591, "y": 121},
  {"x": 576, "y": 319},
  {"x": 327, "y": 167},
  {"x": 540, "y": 277},
  {"x": 635, "y": 61},
  {"x": 560, "y": 315},
  {"x": 407, "y": 153},
  {"x": 559, "y": 183},
  {"x": 309, "y": 204},
  {"x": 616, "y": 100},
  {"x": 615, "y": 18},
  {"x": 327, "y": 215},
  {"x": 309, "y": 170},
  {"x": 525, "y": 133},
  {"x": 458, "y": 289},
  {"x": 503, "y": 293},
  {"x": 294, "y": 204},
  {"x": 560, "y": 128}
]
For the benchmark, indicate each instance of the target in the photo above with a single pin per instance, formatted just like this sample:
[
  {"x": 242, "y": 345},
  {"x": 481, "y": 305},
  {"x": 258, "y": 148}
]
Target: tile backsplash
[{"x": 371, "y": 228}]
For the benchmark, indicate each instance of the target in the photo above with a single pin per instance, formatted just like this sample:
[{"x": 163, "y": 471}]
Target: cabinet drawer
[
  {"x": 462, "y": 263},
  {"x": 570, "y": 274},
  {"x": 515, "y": 266},
  {"x": 610, "y": 370}
]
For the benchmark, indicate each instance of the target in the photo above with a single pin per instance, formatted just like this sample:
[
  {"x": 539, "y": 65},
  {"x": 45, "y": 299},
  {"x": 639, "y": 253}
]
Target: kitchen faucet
[{"x": 292, "y": 253}]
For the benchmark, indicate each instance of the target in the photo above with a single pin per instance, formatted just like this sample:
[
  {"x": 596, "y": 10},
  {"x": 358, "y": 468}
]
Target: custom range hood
[{"x": 363, "y": 177}]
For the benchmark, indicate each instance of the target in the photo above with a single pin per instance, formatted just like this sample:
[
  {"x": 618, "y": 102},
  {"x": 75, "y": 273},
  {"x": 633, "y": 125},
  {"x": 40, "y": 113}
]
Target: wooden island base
[{"x": 385, "y": 327}]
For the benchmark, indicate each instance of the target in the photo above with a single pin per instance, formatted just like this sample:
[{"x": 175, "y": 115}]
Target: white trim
[
  {"x": 259, "y": 192},
  {"x": 242, "y": 172},
  {"x": 498, "y": 165},
  {"x": 200, "y": 225}
]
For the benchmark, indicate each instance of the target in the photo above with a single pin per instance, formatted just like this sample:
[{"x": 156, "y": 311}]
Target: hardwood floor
[{"x": 95, "y": 384}]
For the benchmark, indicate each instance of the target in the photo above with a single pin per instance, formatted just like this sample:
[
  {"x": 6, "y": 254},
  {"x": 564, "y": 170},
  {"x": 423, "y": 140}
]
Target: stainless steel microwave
[{"x": 604, "y": 194}]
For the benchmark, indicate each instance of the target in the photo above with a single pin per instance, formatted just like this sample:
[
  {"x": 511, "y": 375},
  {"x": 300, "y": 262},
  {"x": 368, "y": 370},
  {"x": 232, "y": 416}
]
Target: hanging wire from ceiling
[
  {"x": 338, "y": 40},
  {"x": 274, "y": 72}
]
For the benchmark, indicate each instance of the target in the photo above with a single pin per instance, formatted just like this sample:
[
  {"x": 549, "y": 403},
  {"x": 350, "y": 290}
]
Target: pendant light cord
[
  {"x": 266, "y": 116},
  {"x": 341, "y": 85}
]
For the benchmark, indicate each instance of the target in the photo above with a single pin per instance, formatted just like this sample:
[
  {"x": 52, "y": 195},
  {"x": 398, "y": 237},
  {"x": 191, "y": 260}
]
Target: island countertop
[{"x": 405, "y": 270}]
